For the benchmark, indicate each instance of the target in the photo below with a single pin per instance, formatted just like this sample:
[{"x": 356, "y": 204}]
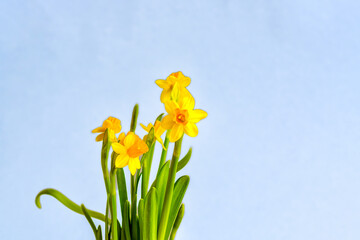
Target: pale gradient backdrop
[{"x": 278, "y": 156}]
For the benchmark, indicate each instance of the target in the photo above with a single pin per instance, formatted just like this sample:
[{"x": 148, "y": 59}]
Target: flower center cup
[{"x": 182, "y": 116}]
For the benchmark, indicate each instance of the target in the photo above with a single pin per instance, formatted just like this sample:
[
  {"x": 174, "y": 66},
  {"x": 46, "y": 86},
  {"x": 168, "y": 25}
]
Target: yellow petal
[
  {"x": 175, "y": 92},
  {"x": 159, "y": 130},
  {"x": 176, "y": 132},
  {"x": 187, "y": 102},
  {"x": 149, "y": 126},
  {"x": 98, "y": 129},
  {"x": 191, "y": 129},
  {"x": 99, "y": 137},
  {"x": 118, "y": 148},
  {"x": 160, "y": 141},
  {"x": 121, "y": 161},
  {"x": 165, "y": 95},
  {"x": 162, "y": 83},
  {"x": 134, "y": 164},
  {"x": 196, "y": 115},
  {"x": 129, "y": 139},
  {"x": 171, "y": 106},
  {"x": 185, "y": 81},
  {"x": 121, "y": 137},
  {"x": 167, "y": 122}
]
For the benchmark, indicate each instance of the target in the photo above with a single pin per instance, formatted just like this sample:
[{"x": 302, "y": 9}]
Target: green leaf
[
  {"x": 160, "y": 184},
  {"x": 87, "y": 215},
  {"x": 150, "y": 216},
  {"x": 134, "y": 117},
  {"x": 134, "y": 226},
  {"x": 141, "y": 218},
  {"x": 169, "y": 190},
  {"x": 179, "y": 191},
  {"x": 107, "y": 218},
  {"x": 119, "y": 229},
  {"x": 182, "y": 163},
  {"x": 146, "y": 164},
  {"x": 66, "y": 202},
  {"x": 98, "y": 233},
  {"x": 126, "y": 220},
  {"x": 104, "y": 160},
  {"x": 177, "y": 223},
  {"x": 121, "y": 181},
  {"x": 159, "y": 117}
]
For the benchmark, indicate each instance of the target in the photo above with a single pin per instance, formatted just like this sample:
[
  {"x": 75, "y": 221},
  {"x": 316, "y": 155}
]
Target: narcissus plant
[{"x": 150, "y": 212}]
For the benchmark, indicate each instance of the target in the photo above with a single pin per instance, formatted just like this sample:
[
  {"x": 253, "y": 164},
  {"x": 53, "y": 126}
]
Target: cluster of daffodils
[{"x": 155, "y": 212}]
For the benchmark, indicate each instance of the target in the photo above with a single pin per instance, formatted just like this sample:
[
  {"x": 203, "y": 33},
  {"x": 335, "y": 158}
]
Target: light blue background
[{"x": 278, "y": 156}]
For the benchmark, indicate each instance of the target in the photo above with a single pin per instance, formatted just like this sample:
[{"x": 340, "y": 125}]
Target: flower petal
[
  {"x": 98, "y": 129},
  {"x": 196, "y": 115},
  {"x": 134, "y": 164},
  {"x": 121, "y": 137},
  {"x": 148, "y": 128},
  {"x": 175, "y": 92},
  {"x": 162, "y": 83},
  {"x": 129, "y": 139},
  {"x": 160, "y": 141},
  {"x": 165, "y": 95},
  {"x": 187, "y": 102},
  {"x": 176, "y": 132},
  {"x": 171, "y": 106},
  {"x": 167, "y": 122},
  {"x": 185, "y": 81},
  {"x": 121, "y": 161},
  {"x": 191, "y": 129},
  {"x": 99, "y": 137},
  {"x": 118, "y": 148}
]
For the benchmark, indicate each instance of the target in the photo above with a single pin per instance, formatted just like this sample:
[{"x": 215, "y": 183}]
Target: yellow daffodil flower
[
  {"x": 114, "y": 126},
  {"x": 129, "y": 152},
  {"x": 158, "y": 131},
  {"x": 174, "y": 80},
  {"x": 182, "y": 118}
]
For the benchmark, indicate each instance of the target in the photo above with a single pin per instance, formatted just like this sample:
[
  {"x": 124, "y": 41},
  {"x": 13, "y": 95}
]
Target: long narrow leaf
[
  {"x": 177, "y": 221},
  {"x": 179, "y": 192},
  {"x": 150, "y": 215},
  {"x": 120, "y": 175},
  {"x": 87, "y": 216},
  {"x": 146, "y": 164},
  {"x": 182, "y": 163},
  {"x": 160, "y": 185},
  {"x": 126, "y": 220},
  {"x": 66, "y": 202},
  {"x": 98, "y": 233},
  {"x": 134, "y": 226},
  {"x": 107, "y": 218},
  {"x": 141, "y": 218}
]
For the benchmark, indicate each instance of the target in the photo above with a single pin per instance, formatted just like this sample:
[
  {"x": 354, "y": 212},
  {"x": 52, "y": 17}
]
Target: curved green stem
[{"x": 66, "y": 202}]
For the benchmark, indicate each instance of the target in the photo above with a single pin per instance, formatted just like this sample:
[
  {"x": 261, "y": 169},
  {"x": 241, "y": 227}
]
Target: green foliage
[{"x": 158, "y": 213}]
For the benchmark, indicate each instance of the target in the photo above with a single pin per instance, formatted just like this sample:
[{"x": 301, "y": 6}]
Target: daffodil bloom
[
  {"x": 182, "y": 118},
  {"x": 114, "y": 126},
  {"x": 158, "y": 131},
  {"x": 174, "y": 80},
  {"x": 129, "y": 152}
]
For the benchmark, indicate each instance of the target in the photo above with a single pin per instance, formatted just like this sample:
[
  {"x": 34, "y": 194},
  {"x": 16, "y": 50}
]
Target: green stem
[
  {"x": 164, "y": 152},
  {"x": 146, "y": 170},
  {"x": 133, "y": 209},
  {"x": 106, "y": 218},
  {"x": 113, "y": 204},
  {"x": 169, "y": 189}
]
